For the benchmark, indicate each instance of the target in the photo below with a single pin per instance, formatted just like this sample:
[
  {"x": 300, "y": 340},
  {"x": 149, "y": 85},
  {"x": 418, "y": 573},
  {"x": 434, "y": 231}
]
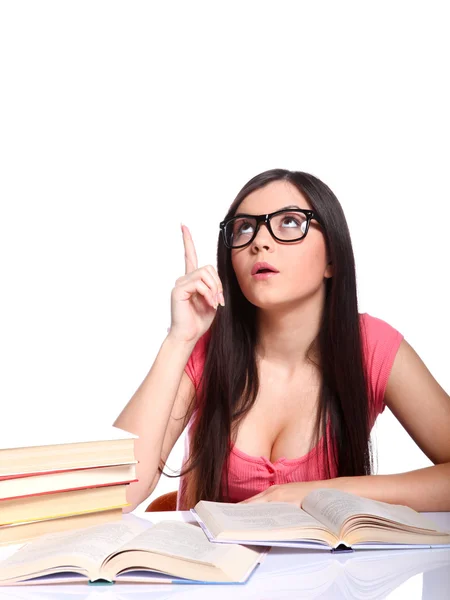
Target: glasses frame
[{"x": 310, "y": 214}]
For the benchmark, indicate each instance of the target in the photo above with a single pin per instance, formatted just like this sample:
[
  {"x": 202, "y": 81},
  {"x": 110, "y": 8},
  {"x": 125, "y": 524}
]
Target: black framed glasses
[{"x": 287, "y": 225}]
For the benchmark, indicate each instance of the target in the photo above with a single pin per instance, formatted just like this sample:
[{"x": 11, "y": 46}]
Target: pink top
[{"x": 249, "y": 475}]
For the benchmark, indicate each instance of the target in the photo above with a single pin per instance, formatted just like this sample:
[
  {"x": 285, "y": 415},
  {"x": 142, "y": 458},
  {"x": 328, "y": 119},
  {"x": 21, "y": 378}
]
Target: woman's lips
[{"x": 265, "y": 275}]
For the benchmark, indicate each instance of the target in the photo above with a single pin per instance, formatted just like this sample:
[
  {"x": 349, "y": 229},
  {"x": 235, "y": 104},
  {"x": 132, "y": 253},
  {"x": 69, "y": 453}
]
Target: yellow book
[
  {"x": 25, "y": 532},
  {"x": 61, "y": 504}
]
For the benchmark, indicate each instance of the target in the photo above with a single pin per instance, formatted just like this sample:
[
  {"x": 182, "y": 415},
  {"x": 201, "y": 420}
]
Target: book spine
[{"x": 341, "y": 547}]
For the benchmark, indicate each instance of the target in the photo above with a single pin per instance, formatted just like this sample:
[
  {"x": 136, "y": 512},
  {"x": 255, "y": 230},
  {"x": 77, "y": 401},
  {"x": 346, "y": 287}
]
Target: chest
[{"x": 281, "y": 422}]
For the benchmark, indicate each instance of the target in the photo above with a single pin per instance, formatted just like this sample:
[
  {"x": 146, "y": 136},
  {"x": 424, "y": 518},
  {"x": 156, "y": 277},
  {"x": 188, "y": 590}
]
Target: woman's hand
[
  {"x": 195, "y": 297},
  {"x": 294, "y": 493}
]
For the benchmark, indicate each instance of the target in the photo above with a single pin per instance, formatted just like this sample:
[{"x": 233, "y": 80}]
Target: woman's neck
[{"x": 285, "y": 333}]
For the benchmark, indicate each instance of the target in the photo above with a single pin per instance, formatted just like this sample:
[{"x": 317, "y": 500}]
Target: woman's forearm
[
  {"x": 424, "y": 490},
  {"x": 147, "y": 414}
]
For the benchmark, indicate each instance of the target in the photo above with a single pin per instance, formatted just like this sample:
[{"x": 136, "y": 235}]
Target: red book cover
[
  {"x": 85, "y": 487},
  {"x": 23, "y": 475}
]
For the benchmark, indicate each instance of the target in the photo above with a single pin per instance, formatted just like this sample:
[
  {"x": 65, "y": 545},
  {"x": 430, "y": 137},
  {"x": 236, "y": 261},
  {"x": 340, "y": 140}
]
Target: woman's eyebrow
[{"x": 283, "y": 208}]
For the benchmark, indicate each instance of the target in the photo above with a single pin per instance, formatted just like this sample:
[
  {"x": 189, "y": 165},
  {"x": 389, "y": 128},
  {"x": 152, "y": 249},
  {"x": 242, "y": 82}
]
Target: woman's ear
[{"x": 329, "y": 270}]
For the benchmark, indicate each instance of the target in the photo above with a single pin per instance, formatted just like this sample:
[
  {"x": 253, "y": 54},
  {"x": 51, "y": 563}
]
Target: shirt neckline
[{"x": 263, "y": 460}]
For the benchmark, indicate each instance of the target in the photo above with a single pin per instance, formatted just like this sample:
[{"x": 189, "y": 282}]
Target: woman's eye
[
  {"x": 295, "y": 222},
  {"x": 244, "y": 226}
]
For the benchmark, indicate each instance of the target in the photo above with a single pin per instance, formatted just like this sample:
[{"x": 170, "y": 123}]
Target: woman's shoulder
[
  {"x": 376, "y": 331},
  {"x": 196, "y": 362},
  {"x": 380, "y": 344},
  {"x": 202, "y": 344}
]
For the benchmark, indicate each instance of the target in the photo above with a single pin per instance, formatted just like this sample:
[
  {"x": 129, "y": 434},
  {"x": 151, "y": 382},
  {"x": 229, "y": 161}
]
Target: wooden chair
[{"x": 164, "y": 502}]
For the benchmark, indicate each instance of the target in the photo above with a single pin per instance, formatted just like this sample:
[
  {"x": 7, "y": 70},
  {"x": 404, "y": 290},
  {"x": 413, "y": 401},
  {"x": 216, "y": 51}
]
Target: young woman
[{"x": 276, "y": 374}]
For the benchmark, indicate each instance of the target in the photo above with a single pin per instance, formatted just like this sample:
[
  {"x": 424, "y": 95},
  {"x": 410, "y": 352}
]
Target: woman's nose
[{"x": 263, "y": 237}]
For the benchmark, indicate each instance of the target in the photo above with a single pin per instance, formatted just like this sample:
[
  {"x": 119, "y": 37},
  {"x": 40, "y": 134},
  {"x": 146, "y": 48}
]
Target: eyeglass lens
[{"x": 286, "y": 226}]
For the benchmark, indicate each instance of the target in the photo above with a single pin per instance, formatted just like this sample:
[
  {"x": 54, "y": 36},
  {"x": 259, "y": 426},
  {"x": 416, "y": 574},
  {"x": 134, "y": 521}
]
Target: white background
[{"x": 118, "y": 120}]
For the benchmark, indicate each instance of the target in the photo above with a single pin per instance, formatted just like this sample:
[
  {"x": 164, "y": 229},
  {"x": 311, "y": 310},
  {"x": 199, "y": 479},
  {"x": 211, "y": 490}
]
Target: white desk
[{"x": 285, "y": 573}]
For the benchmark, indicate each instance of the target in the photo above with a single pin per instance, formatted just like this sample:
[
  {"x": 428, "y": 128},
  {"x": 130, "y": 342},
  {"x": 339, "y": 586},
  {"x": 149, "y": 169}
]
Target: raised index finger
[{"x": 190, "y": 255}]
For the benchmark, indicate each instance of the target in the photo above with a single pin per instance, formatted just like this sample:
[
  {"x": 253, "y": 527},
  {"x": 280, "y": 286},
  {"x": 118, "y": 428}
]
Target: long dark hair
[{"x": 230, "y": 378}]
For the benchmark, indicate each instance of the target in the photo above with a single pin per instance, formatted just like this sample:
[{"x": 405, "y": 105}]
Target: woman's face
[{"x": 302, "y": 265}]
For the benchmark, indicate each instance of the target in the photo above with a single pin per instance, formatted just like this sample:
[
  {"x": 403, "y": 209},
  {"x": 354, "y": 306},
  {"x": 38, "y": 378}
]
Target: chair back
[{"x": 163, "y": 503}]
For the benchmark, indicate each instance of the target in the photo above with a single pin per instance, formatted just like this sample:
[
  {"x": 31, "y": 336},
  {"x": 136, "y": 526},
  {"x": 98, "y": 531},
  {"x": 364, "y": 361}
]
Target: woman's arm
[
  {"x": 157, "y": 411},
  {"x": 423, "y": 408},
  {"x": 420, "y": 404},
  {"x": 155, "y": 414}
]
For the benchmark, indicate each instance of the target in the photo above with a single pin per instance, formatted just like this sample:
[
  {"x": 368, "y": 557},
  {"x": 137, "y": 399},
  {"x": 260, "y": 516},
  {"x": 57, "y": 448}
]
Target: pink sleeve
[
  {"x": 195, "y": 364},
  {"x": 381, "y": 342}
]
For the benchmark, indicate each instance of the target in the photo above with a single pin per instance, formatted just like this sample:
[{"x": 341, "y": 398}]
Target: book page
[
  {"x": 179, "y": 539},
  {"x": 264, "y": 516},
  {"x": 91, "y": 545},
  {"x": 333, "y": 507}
]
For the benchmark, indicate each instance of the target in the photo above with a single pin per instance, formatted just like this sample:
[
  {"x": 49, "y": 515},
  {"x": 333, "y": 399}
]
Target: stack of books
[{"x": 73, "y": 484}]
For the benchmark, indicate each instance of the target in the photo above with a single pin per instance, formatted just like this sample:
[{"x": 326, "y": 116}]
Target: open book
[
  {"x": 328, "y": 519},
  {"x": 129, "y": 551},
  {"x": 287, "y": 573}
]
